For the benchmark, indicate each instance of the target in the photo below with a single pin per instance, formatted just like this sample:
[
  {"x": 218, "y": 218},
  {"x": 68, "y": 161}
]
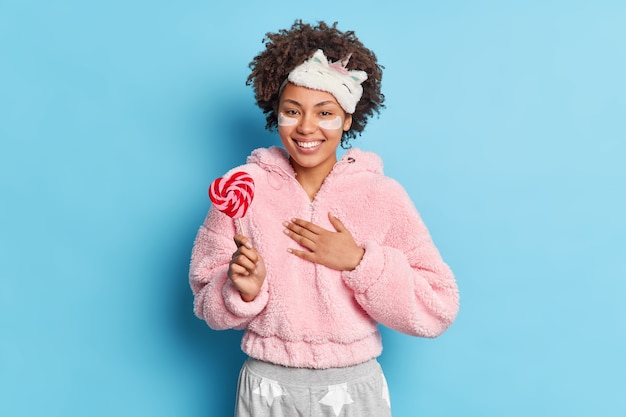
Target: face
[{"x": 310, "y": 125}]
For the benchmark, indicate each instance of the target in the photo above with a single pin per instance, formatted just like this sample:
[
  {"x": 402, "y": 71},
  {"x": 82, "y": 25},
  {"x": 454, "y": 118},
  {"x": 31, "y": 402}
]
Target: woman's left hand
[{"x": 336, "y": 250}]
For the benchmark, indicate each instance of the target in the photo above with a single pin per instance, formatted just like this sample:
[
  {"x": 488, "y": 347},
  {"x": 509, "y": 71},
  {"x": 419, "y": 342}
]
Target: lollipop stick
[{"x": 240, "y": 226}]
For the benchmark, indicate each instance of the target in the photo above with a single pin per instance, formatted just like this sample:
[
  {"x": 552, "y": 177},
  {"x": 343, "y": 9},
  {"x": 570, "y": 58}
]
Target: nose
[{"x": 307, "y": 124}]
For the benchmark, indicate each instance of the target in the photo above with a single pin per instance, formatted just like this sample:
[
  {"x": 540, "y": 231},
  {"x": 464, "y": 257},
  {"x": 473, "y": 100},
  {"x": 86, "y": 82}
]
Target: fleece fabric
[{"x": 308, "y": 315}]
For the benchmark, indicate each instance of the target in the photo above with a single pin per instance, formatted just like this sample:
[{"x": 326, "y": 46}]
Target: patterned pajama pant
[{"x": 268, "y": 390}]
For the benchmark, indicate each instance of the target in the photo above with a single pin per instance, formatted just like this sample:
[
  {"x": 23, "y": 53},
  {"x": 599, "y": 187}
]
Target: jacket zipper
[{"x": 312, "y": 203}]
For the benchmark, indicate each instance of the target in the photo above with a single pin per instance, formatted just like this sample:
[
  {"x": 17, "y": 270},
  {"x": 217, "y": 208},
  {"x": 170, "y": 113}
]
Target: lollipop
[{"x": 233, "y": 195}]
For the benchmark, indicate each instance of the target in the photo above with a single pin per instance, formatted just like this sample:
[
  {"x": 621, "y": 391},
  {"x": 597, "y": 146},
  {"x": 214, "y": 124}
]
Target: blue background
[{"x": 505, "y": 121}]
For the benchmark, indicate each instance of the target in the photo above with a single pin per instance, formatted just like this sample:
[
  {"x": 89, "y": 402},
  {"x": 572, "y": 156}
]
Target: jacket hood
[{"x": 276, "y": 159}]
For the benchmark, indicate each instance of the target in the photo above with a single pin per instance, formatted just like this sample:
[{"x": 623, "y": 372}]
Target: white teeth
[{"x": 308, "y": 145}]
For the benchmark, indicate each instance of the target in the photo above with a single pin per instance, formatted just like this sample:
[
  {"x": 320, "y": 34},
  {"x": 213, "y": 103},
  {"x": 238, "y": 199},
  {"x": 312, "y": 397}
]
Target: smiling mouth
[{"x": 308, "y": 145}]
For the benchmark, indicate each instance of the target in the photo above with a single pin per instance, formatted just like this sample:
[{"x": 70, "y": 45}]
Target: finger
[
  {"x": 296, "y": 229},
  {"x": 299, "y": 235},
  {"x": 337, "y": 224},
  {"x": 245, "y": 262},
  {"x": 248, "y": 253},
  {"x": 236, "y": 269},
  {"x": 241, "y": 240},
  {"x": 309, "y": 256},
  {"x": 300, "y": 224}
]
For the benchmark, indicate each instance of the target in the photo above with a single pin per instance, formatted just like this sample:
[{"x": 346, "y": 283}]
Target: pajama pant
[{"x": 268, "y": 390}]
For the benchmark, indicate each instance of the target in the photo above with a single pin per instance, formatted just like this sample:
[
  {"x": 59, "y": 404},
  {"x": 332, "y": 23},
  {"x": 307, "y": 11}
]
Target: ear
[{"x": 347, "y": 122}]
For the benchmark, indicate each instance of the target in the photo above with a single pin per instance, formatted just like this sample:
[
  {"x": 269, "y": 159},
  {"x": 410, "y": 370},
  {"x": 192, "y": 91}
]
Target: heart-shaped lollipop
[{"x": 233, "y": 195}]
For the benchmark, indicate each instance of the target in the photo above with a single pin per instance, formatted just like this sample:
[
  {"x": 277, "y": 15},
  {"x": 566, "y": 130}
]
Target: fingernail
[
  {"x": 285, "y": 223},
  {"x": 248, "y": 245},
  {"x": 286, "y": 231}
]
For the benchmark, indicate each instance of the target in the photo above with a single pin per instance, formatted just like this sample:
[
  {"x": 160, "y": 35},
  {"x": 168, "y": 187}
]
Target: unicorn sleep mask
[{"x": 319, "y": 74}]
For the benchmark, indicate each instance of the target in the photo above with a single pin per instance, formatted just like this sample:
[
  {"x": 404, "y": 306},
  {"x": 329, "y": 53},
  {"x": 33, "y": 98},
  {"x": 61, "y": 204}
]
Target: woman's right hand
[{"x": 246, "y": 269}]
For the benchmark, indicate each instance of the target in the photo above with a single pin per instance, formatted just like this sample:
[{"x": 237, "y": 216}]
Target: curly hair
[{"x": 286, "y": 49}]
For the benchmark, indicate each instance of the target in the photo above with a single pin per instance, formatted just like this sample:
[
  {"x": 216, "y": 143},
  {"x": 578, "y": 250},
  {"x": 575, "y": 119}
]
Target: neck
[{"x": 311, "y": 179}]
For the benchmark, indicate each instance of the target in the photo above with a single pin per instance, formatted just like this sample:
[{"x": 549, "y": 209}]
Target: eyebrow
[{"x": 320, "y": 104}]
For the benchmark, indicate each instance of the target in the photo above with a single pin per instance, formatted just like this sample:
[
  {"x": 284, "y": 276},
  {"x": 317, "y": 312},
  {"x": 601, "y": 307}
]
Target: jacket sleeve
[
  {"x": 216, "y": 300},
  {"x": 402, "y": 282}
]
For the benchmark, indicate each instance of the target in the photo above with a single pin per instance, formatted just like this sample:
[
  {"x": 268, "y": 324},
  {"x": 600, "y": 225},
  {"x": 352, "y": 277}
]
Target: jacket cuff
[
  {"x": 368, "y": 271},
  {"x": 247, "y": 309}
]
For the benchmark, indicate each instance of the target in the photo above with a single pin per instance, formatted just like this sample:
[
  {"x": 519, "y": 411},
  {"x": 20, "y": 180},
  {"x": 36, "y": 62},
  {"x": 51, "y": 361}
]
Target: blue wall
[{"x": 505, "y": 121}]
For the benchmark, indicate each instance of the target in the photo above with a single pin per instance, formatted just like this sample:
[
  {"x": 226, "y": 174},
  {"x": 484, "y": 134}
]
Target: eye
[
  {"x": 325, "y": 113},
  {"x": 291, "y": 112}
]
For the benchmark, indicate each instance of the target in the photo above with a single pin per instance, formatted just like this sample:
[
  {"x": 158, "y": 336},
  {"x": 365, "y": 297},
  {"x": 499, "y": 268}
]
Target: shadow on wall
[
  {"x": 248, "y": 133},
  {"x": 216, "y": 357},
  {"x": 229, "y": 131}
]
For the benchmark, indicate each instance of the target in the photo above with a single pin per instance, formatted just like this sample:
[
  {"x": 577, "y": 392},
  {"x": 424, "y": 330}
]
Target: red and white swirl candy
[{"x": 233, "y": 195}]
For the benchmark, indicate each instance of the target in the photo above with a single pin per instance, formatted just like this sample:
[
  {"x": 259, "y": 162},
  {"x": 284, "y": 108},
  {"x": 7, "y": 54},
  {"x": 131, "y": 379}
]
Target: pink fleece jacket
[{"x": 308, "y": 315}]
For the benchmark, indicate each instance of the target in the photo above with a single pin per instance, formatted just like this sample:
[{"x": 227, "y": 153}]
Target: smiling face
[{"x": 310, "y": 125}]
